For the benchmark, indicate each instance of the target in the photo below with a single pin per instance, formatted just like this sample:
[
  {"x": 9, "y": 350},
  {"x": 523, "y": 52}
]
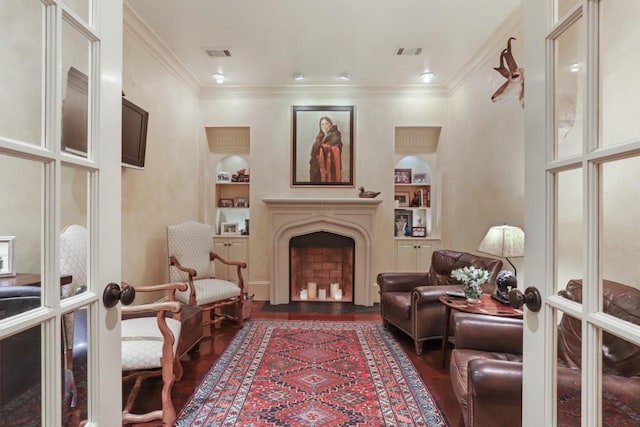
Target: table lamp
[{"x": 504, "y": 241}]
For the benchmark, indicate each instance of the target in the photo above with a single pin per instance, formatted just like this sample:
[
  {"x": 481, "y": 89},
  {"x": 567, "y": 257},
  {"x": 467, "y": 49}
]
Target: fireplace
[
  {"x": 353, "y": 218},
  {"x": 321, "y": 267}
]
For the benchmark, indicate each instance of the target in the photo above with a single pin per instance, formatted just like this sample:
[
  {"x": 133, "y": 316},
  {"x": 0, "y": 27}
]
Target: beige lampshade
[{"x": 503, "y": 241}]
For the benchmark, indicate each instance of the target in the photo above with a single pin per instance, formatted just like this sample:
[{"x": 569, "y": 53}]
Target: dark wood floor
[{"x": 210, "y": 348}]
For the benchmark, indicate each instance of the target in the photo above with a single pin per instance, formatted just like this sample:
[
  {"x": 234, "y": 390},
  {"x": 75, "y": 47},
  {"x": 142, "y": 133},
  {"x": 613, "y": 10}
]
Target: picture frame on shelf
[
  {"x": 229, "y": 229},
  {"x": 419, "y": 232},
  {"x": 226, "y": 203},
  {"x": 223, "y": 177},
  {"x": 7, "y": 268},
  {"x": 419, "y": 178},
  {"x": 241, "y": 202},
  {"x": 402, "y": 176},
  {"x": 315, "y": 152},
  {"x": 402, "y": 197}
]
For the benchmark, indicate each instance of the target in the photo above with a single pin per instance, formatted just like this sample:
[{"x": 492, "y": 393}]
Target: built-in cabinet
[
  {"x": 231, "y": 249},
  {"x": 230, "y": 198},
  {"x": 414, "y": 255},
  {"x": 415, "y": 227}
]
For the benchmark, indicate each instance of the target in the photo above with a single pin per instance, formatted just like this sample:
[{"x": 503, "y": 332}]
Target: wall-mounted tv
[{"x": 134, "y": 134}]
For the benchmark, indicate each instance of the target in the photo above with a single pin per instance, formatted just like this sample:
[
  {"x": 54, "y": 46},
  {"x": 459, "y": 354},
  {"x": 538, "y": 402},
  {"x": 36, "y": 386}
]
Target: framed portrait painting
[{"x": 322, "y": 146}]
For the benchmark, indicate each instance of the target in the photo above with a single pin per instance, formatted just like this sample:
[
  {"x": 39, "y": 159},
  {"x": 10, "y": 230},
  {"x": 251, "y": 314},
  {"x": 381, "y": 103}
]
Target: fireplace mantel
[{"x": 351, "y": 217}]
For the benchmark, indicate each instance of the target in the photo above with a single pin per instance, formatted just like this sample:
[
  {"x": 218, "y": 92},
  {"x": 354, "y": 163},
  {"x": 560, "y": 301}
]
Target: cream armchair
[
  {"x": 192, "y": 261},
  {"x": 149, "y": 348}
]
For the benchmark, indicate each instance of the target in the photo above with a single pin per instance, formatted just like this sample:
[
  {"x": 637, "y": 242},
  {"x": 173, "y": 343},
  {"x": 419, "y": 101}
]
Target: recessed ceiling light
[
  {"x": 219, "y": 77},
  {"x": 574, "y": 68},
  {"x": 427, "y": 76},
  {"x": 298, "y": 76},
  {"x": 344, "y": 76}
]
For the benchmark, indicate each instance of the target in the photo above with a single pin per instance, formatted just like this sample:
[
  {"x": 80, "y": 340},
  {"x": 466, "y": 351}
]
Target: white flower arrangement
[{"x": 471, "y": 278}]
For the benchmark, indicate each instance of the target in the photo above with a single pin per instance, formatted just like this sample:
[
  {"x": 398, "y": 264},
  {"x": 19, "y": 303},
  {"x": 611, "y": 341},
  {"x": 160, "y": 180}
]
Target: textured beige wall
[{"x": 169, "y": 190}]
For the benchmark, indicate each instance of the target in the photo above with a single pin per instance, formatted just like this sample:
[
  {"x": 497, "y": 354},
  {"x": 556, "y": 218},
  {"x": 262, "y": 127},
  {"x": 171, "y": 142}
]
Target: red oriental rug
[{"x": 312, "y": 373}]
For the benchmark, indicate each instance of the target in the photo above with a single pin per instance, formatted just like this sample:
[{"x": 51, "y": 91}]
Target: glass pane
[
  {"x": 569, "y": 74},
  {"x": 20, "y": 222},
  {"x": 569, "y": 367},
  {"x": 74, "y": 374},
  {"x": 73, "y": 236},
  {"x": 563, "y": 6},
  {"x": 20, "y": 379},
  {"x": 21, "y": 84},
  {"x": 75, "y": 104},
  {"x": 79, "y": 7},
  {"x": 620, "y": 382},
  {"x": 568, "y": 226},
  {"x": 619, "y": 70},
  {"x": 619, "y": 251}
]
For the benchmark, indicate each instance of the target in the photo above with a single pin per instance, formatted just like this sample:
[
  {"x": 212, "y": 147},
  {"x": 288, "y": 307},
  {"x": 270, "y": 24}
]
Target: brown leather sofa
[
  {"x": 409, "y": 301},
  {"x": 486, "y": 365}
]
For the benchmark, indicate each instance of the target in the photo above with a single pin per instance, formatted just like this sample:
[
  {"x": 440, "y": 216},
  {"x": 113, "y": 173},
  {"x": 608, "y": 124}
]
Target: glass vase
[{"x": 472, "y": 292}]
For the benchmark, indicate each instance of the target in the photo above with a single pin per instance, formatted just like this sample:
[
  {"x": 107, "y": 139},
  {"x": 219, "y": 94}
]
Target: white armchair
[
  {"x": 149, "y": 346},
  {"x": 192, "y": 261}
]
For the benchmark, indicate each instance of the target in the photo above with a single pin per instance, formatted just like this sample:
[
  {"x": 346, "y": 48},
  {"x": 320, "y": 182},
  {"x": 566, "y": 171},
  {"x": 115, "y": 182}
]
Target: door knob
[
  {"x": 113, "y": 293},
  {"x": 531, "y": 297}
]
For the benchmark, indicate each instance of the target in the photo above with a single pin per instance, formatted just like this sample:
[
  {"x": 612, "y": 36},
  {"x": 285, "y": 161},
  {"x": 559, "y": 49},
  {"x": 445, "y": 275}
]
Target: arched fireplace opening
[{"x": 321, "y": 267}]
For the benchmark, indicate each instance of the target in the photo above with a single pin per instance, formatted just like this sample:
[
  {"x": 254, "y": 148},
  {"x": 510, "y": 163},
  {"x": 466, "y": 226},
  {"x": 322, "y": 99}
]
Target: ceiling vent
[
  {"x": 408, "y": 51},
  {"x": 218, "y": 53}
]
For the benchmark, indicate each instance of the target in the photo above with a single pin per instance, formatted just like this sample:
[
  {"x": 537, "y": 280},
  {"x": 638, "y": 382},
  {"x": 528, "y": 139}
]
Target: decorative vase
[{"x": 472, "y": 292}]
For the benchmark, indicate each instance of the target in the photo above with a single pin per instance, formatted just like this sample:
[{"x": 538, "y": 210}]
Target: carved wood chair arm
[
  {"x": 190, "y": 271},
  {"x": 213, "y": 256}
]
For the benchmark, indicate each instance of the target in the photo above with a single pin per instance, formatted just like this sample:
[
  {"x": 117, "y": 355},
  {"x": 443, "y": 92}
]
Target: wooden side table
[{"x": 487, "y": 306}]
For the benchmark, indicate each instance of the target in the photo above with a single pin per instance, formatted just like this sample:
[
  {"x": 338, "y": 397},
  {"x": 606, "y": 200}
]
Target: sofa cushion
[
  {"x": 443, "y": 262},
  {"x": 619, "y": 357}
]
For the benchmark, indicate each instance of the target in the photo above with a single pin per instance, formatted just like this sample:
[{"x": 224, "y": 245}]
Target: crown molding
[
  {"x": 512, "y": 24},
  {"x": 136, "y": 26},
  {"x": 324, "y": 91}
]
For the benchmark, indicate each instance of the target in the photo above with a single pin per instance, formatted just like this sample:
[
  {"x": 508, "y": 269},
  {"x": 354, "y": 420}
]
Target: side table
[{"x": 487, "y": 306}]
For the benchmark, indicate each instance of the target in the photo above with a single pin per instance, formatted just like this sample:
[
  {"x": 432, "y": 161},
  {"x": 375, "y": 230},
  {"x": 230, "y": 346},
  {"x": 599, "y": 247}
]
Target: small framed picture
[
  {"x": 419, "y": 232},
  {"x": 228, "y": 228},
  {"x": 226, "y": 203},
  {"x": 223, "y": 177},
  {"x": 402, "y": 198},
  {"x": 419, "y": 178},
  {"x": 241, "y": 202},
  {"x": 402, "y": 176},
  {"x": 6, "y": 256},
  {"x": 403, "y": 220}
]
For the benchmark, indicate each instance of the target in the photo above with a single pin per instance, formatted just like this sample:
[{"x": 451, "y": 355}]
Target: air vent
[
  {"x": 408, "y": 51},
  {"x": 218, "y": 53}
]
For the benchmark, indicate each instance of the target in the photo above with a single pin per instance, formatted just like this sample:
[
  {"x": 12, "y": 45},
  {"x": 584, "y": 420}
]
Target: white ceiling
[{"x": 269, "y": 40}]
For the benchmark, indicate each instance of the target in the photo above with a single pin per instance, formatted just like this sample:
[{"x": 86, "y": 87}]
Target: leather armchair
[
  {"x": 486, "y": 365},
  {"x": 410, "y": 301}
]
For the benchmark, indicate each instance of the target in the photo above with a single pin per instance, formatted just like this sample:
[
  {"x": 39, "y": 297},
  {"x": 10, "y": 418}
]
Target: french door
[
  {"x": 60, "y": 112},
  {"x": 582, "y": 181}
]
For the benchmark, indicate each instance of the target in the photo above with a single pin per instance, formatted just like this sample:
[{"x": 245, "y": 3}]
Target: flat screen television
[{"x": 134, "y": 134}]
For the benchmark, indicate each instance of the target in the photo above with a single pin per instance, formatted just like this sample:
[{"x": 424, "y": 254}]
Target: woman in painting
[{"x": 325, "y": 164}]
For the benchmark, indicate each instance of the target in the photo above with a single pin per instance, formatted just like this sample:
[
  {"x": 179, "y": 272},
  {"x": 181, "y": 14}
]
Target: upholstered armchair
[
  {"x": 486, "y": 364},
  {"x": 149, "y": 348},
  {"x": 410, "y": 301},
  {"x": 192, "y": 261}
]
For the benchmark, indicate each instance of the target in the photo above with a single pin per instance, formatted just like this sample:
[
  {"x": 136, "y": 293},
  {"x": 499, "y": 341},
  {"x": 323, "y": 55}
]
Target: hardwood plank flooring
[{"x": 197, "y": 363}]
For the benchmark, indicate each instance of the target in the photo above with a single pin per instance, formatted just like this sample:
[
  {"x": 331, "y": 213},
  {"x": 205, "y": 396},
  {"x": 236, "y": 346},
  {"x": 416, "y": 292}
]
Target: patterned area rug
[{"x": 312, "y": 373}]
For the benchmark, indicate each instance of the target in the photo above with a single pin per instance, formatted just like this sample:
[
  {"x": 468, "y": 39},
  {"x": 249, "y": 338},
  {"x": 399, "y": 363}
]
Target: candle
[
  {"x": 334, "y": 289},
  {"x": 322, "y": 294},
  {"x": 303, "y": 294},
  {"x": 311, "y": 290},
  {"x": 338, "y": 294}
]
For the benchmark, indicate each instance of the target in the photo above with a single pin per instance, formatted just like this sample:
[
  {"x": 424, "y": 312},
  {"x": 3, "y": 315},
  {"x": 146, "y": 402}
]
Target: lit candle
[
  {"x": 303, "y": 294},
  {"x": 311, "y": 290},
  {"x": 338, "y": 294},
  {"x": 322, "y": 294}
]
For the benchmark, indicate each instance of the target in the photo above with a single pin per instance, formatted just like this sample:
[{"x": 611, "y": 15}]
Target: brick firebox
[{"x": 324, "y": 259}]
